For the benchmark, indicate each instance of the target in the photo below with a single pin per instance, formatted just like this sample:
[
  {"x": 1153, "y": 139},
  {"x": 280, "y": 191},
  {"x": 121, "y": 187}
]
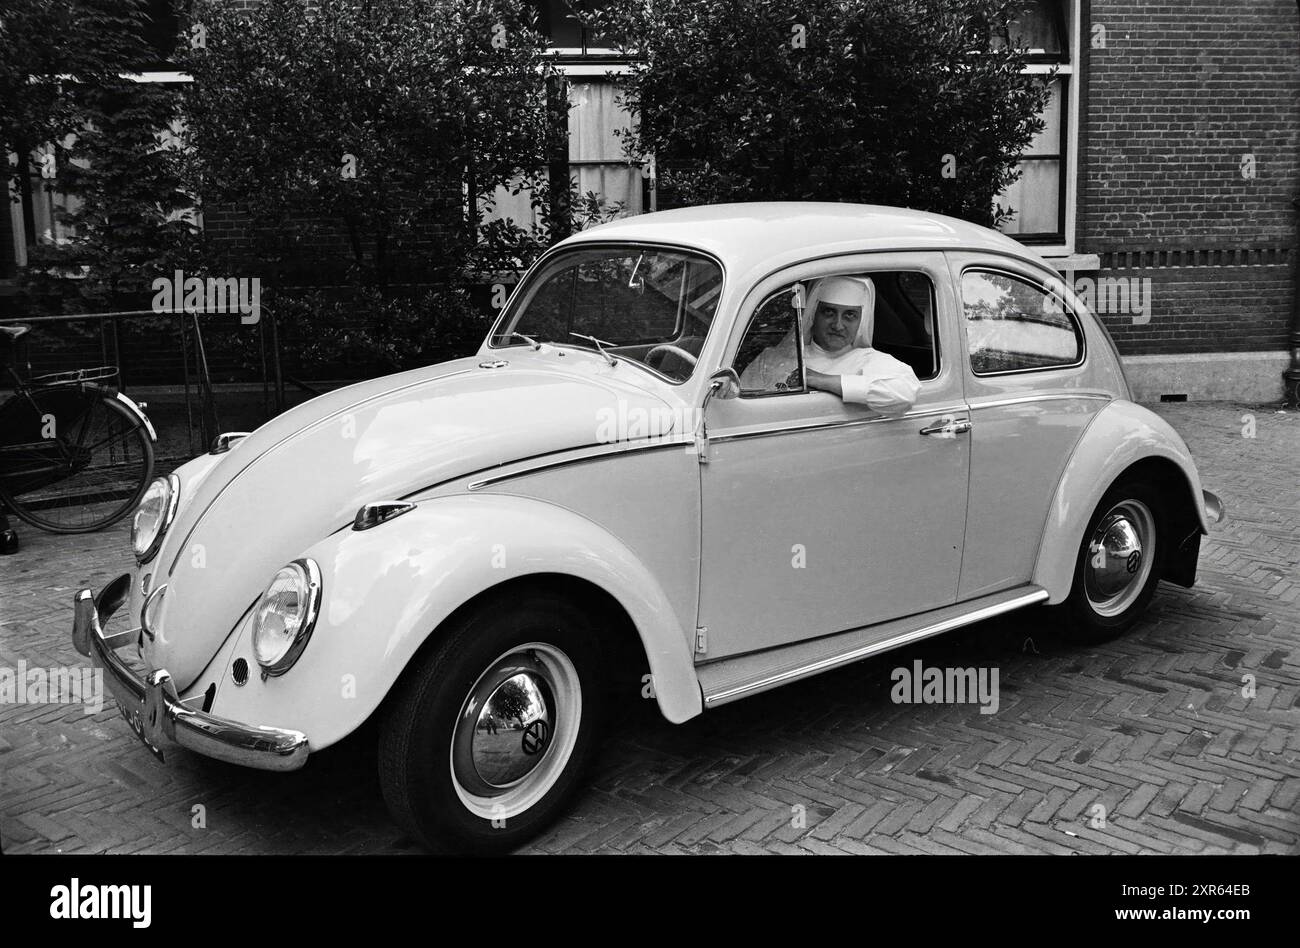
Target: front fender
[
  {"x": 140, "y": 416},
  {"x": 1121, "y": 435},
  {"x": 387, "y": 589}
]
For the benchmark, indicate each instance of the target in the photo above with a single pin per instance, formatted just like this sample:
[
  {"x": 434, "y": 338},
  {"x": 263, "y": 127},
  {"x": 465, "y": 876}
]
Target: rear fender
[
  {"x": 136, "y": 410},
  {"x": 1122, "y": 436}
]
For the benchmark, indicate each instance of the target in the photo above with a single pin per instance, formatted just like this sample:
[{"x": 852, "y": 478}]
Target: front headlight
[
  {"x": 154, "y": 516},
  {"x": 285, "y": 615}
]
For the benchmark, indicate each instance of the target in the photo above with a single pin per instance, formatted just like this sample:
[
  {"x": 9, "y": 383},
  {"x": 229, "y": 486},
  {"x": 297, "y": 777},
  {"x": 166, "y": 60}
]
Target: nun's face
[{"x": 835, "y": 327}]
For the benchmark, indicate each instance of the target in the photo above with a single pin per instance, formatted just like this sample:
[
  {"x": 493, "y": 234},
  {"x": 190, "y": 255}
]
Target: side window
[
  {"x": 768, "y": 360},
  {"x": 904, "y": 320},
  {"x": 1013, "y": 325},
  {"x": 900, "y": 324}
]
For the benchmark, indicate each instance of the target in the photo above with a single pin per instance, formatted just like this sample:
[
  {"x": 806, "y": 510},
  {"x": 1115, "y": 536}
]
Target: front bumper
[{"x": 154, "y": 709}]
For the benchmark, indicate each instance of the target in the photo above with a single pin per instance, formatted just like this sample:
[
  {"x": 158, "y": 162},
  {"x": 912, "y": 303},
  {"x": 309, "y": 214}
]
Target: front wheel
[
  {"x": 489, "y": 733},
  {"x": 1118, "y": 567}
]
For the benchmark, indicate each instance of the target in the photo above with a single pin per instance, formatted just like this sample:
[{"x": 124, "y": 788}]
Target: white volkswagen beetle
[{"x": 472, "y": 551}]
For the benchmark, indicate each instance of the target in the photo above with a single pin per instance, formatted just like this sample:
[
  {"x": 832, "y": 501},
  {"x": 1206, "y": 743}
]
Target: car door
[
  {"x": 816, "y": 516},
  {"x": 1031, "y": 393}
]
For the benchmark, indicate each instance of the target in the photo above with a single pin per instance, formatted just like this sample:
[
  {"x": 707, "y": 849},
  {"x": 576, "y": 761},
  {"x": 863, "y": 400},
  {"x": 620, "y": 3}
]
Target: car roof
[{"x": 774, "y": 233}]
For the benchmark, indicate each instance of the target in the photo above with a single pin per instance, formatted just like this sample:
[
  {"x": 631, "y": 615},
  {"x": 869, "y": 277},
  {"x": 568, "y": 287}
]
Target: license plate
[{"x": 134, "y": 718}]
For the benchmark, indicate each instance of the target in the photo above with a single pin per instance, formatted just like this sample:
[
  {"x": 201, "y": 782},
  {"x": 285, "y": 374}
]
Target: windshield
[{"x": 648, "y": 304}]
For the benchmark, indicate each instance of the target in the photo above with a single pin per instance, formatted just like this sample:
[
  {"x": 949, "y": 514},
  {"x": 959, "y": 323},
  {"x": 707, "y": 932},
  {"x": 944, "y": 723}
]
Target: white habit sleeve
[{"x": 884, "y": 384}]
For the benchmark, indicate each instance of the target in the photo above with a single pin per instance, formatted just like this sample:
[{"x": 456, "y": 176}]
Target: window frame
[
  {"x": 1066, "y": 65},
  {"x": 585, "y": 52},
  {"x": 935, "y": 343},
  {"x": 22, "y": 217},
  {"x": 1067, "y": 309},
  {"x": 517, "y": 297},
  {"x": 802, "y": 366}
]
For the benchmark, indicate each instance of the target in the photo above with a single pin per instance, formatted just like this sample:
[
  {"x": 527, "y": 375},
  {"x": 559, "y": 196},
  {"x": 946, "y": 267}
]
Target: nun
[{"x": 837, "y": 324}]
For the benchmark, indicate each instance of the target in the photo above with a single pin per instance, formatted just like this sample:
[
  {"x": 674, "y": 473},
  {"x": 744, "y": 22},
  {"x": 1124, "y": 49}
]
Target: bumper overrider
[{"x": 154, "y": 709}]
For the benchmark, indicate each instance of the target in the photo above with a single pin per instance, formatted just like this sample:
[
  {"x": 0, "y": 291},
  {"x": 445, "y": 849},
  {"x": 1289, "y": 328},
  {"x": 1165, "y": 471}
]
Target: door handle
[{"x": 948, "y": 427}]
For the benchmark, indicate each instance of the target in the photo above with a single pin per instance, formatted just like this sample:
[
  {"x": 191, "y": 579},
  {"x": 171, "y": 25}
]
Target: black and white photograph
[{"x": 487, "y": 428}]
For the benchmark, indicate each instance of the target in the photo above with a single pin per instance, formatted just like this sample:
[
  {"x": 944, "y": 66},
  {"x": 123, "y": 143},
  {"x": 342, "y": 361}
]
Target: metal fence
[{"x": 203, "y": 408}]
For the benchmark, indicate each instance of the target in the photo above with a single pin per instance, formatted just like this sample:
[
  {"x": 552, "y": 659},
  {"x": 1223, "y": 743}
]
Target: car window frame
[
  {"x": 1067, "y": 308},
  {"x": 516, "y": 296},
  {"x": 803, "y": 372},
  {"x": 935, "y": 342}
]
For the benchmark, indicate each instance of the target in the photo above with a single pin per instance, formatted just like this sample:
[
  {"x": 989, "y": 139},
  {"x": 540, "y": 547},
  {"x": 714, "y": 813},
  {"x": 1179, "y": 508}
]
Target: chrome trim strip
[
  {"x": 850, "y": 423},
  {"x": 865, "y": 651},
  {"x": 1047, "y": 397},
  {"x": 616, "y": 451},
  {"x": 842, "y": 423},
  {"x": 156, "y": 711}
]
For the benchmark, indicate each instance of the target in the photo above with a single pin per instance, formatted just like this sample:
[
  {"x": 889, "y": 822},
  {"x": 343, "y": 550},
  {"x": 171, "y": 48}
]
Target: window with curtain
[
  {"x": 596, "y": 161},
  {"x": 47, "y": 202},
  {"x": 1038, "y": 195}
]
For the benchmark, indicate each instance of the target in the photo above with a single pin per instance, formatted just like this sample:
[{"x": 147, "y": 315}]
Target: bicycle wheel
[{"x": 76, "y": 461}]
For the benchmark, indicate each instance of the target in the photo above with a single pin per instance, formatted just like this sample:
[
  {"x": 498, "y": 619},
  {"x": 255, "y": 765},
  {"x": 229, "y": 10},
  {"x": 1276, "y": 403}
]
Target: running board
[{"x": 731, "y": 678}]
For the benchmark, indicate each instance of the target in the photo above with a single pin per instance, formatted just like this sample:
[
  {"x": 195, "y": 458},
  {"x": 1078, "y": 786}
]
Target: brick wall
[{"x": 1179, "y": 95}]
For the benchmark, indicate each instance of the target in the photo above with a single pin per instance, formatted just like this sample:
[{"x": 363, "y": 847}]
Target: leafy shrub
[
  {"x": 363, "y": 134},
  {"x": 840, "y": 100}
]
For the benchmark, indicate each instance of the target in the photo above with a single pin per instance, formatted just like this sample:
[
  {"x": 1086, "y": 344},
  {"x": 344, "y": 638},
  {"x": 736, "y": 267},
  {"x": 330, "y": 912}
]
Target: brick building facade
[
  {"x": 1169, "y": 165},
  {"x": 1189, "y": 163}
]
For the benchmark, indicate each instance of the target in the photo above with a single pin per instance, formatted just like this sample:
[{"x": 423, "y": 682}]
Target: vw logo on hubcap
[{"x": 535, "y": 737}]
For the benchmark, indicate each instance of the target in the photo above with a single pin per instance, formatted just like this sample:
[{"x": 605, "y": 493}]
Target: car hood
[{"x": 304, "y": 474}]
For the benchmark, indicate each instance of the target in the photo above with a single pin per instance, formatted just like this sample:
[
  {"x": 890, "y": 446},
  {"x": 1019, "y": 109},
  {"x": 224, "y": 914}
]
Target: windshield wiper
[
  {"x": 600, "y": 345},
  {"x": 528, "y": 339}
]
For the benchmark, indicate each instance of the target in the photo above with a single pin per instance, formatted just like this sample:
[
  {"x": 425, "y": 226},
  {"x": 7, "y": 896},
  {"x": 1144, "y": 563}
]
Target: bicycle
[{"x": 75, "y": 455}]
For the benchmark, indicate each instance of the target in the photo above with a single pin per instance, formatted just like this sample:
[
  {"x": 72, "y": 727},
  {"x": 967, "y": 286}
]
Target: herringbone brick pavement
[{"x": 1144, "y": 745}]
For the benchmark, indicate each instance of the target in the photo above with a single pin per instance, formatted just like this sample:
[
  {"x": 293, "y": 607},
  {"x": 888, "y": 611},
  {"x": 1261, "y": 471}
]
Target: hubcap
[
  {"x": 1120, "y": 555},
  {"x": 516, "y": 731},
  {"x": 513, "y": 729}
]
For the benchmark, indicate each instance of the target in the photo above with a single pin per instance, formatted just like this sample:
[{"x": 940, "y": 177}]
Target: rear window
[{"x": 1014, "y": 325}]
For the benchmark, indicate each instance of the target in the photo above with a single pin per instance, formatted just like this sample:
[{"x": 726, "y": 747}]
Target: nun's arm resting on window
[{"x": 891, "y": 392}]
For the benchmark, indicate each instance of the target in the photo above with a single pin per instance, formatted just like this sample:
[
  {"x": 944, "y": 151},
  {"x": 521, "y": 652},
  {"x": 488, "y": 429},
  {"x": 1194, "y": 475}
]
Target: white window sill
[{"x": 1063, "y": 260}]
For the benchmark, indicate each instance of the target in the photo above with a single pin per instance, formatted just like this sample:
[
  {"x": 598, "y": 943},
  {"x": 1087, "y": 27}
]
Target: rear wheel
[
  {"x": 1118, "y": 567},
  {"x": 489, "y": 733},
  {"x": 79, "y": 463}
]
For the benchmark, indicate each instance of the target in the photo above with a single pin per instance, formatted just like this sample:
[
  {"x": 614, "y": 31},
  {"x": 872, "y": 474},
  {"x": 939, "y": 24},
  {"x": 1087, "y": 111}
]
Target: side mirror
[{"x": 724, "y": 384}]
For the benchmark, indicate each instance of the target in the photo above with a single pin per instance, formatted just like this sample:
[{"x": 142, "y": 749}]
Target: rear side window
[{"x": 1013, "y": 325}]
